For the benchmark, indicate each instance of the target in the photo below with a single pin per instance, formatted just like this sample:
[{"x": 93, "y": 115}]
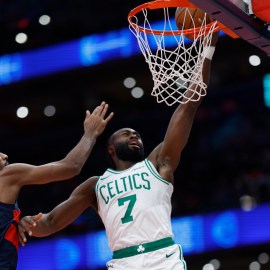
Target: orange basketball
[{"x": 190, "y": 18}]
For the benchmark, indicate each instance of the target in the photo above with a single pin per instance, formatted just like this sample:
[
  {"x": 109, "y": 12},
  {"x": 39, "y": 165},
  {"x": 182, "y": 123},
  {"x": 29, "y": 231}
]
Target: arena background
[{"x": 225, "y": 165}]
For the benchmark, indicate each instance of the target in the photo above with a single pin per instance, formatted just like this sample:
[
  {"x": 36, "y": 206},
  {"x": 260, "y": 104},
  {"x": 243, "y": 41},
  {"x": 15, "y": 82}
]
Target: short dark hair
[{"x": 109, "y": 158}]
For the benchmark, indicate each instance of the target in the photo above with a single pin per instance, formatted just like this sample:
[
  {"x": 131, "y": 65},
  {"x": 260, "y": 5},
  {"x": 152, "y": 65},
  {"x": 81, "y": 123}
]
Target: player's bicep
[
  {"x": 153, "y": 156},
  {"x": 25, "y": 174},
  {"x": 165, "y": 155}
]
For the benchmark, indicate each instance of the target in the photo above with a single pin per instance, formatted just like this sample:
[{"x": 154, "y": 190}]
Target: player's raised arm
[
  {"x": 166, "y": 156},
  {"x": 69, "y": 166}
]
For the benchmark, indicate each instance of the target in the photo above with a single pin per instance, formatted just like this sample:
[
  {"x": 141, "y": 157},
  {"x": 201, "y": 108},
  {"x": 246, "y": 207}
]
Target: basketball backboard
[{"x": 241, "y": 18}]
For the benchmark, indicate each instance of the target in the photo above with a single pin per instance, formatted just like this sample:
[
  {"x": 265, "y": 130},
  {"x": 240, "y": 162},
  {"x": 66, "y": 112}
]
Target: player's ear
[
  {"x": 110, "y": 155},
  {"x": 110, "y": 150}
]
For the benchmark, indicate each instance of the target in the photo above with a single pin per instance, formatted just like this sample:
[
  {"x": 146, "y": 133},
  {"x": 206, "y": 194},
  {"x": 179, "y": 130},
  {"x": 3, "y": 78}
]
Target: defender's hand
[
  {"x": 96, "y": 121},
  {"x": 25, "y": 225}
]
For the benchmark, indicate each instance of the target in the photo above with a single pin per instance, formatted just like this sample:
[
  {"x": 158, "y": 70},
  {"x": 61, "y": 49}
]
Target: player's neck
[{"x": 122, "y": 165}]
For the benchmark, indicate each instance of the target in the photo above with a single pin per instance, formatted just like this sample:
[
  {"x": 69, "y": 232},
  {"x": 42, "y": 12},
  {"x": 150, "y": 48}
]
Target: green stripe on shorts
[{"x": 143, "y": 248}]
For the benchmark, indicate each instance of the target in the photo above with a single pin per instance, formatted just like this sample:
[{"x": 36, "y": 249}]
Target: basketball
[{"x": 190, "y": 18}]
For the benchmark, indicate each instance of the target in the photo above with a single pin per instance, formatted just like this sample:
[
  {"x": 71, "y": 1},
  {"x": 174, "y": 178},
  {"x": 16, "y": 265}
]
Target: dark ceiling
[{"x": 70, "y": 19}]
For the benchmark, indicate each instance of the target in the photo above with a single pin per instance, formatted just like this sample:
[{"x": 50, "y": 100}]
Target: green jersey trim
[
  {"x": 153, "y": 170},
  {"x": 117, "y": 172}
]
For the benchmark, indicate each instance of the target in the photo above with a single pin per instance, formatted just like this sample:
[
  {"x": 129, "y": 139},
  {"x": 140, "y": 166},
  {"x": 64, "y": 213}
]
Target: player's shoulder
[
  {"x": 88, "y": 182},
  {"x": 87, "y": 186},
  {"x": 12, "y": 173},
  {"x": 92, "y": 180}
]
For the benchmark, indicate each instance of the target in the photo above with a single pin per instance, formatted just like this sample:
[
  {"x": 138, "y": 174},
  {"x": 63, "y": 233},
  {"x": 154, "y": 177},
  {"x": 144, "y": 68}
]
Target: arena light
[
  {"x": 49, "y": 110},
  {"x": 21, "y": 38},
  {"x": 129, "y": 82},
  {"x": 22, "y": 112},
  {"x": 44, "y": 19},
  {"x": 254, "y": 60},
  {"x": 137, "y": 92}
]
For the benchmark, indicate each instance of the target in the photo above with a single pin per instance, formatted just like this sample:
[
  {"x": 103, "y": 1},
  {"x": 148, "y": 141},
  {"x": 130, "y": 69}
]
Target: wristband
[{"x": 209, "y": 52}]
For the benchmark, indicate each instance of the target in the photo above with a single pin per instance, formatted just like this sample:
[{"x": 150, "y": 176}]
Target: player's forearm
[
  {"x": 180, "y": 126},
  {"x": 49, "y": 224},
  {"x": 44, "y": 227},
  {"x": 63, "y": 214},
  {"x": 77, "y": 157},
  {"x": 94, "y": 125},
  {"x": 208, "y": 54}
]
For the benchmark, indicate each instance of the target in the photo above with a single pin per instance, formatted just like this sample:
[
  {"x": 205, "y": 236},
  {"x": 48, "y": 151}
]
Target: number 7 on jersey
[{"x": 131, "y": 202}]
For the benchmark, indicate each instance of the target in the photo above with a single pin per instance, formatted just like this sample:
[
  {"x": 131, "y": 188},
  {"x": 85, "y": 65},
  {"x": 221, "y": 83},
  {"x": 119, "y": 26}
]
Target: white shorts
[{"x": 168, "y": 258}]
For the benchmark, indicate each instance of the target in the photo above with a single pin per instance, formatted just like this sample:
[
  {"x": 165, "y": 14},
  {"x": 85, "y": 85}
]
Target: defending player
[{"x": 14, "y": 176}]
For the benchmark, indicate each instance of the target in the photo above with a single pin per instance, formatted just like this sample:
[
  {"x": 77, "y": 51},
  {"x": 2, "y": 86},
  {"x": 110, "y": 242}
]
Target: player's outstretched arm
[
  {"x": 166, "y": 156},
  {"x": 71, "y": 165},
  {"x": 42, "y": 225}
]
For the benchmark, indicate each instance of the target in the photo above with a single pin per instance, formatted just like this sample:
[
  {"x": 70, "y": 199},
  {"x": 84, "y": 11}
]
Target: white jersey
[{"x": 134, "y": 205}]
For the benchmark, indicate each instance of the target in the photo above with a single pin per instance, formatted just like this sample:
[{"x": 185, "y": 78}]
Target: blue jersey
[{"x": 9, "y": 219}]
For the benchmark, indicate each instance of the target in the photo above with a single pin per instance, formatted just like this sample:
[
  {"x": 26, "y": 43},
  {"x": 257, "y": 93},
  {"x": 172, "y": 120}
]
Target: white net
[{"x": 174, "y": 61}]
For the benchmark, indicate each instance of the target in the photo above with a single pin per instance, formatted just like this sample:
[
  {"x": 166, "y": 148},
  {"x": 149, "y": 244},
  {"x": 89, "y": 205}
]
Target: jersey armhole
[{"x": 154, "y": 171}]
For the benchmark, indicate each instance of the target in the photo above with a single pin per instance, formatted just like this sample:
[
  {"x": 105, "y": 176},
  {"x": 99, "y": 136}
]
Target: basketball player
[
  {"x": 14, "y": 176},
  {"x": 133, "y": 199}
]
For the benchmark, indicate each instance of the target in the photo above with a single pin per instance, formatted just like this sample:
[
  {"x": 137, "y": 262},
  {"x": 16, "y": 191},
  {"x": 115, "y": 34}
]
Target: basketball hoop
[{"x": 174, "y": 63}]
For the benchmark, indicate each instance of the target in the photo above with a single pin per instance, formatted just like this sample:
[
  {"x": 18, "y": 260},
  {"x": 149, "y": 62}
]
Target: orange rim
[{"x": 172, "y": 3}]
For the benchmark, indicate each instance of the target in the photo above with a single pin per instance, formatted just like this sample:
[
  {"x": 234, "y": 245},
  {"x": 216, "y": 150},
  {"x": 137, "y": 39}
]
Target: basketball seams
[
  {"x": 187, "y": 15},
  {"x": 193, "y": 16},
  {"x": 179, "y": 12},
  {"x": 191, "y": 20}
]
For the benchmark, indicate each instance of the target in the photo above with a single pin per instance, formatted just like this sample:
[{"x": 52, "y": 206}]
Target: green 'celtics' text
[{"x": 134, "y": 181}]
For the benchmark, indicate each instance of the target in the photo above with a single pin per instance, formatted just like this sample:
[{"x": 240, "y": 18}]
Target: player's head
[
  {"x": 3, "y": 160},
  {"x": 126, "y": 145}
]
